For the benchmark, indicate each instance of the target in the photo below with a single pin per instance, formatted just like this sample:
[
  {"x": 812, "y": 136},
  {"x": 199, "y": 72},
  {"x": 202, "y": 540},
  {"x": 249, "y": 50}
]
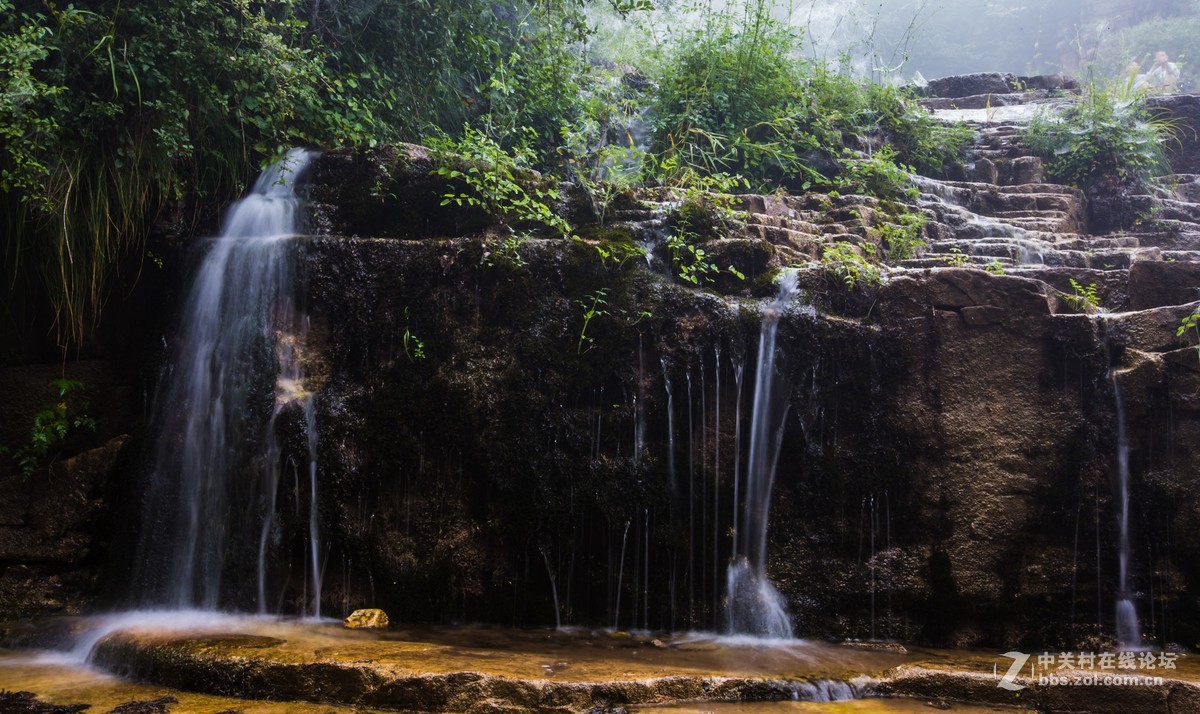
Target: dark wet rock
[
  {"x": 1160, "y": 283},
  {"x": 966, "y": 85},
  {"x": 1026, "y": 170},
  {"x": 1113, "y": 205},
  {"x": 1048, "y": 82},
  {"x": 51, "y": 535},
  {"x": 980, "y": 688},
  {"x": 979, "y": 101},
  {"x": 386, "y": 192},
  {"x": 969, "y": 416},
  {"x": 162, "y": 705},
  {"x": 1150, "y": 330},
  {"x": 28, "y": 703},
  {"x": 986, "y": 171},
  {"x": 1184, "y": 111},
  {"x": 997, "y": 88}
]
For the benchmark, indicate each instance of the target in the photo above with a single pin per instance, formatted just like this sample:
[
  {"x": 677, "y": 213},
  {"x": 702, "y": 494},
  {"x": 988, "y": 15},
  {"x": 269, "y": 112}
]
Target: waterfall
[
  {"x": 753, "y": 605},
  {"x": 1128, "y": 632},
  {"x": 234, "y": 368}
]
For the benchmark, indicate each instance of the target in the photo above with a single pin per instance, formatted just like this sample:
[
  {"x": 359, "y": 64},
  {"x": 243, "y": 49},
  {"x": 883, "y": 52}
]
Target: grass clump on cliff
[
  {"x": 736, "y": 96},
  {"x": 1106, "y": 136}
]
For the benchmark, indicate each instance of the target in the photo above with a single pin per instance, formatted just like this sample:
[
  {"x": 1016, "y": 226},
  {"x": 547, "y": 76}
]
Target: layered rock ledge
[{"x": 484, "y": 669}]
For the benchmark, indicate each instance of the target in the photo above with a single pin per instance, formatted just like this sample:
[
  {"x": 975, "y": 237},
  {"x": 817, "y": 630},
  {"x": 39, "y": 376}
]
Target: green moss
[
  {"x": 609, "y": 234},
  {"x": 702, "y": 217}
]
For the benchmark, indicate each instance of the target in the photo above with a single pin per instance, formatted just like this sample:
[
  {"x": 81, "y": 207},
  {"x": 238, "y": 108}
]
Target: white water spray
[
  {"x": 1129, "y": 632},
  {"x": 753, "y": 605},
  {"x": 204, "y": 513}
]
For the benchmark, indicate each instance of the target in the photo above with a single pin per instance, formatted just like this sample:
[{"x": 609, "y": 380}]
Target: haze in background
[{"x": 893, "y": 39}]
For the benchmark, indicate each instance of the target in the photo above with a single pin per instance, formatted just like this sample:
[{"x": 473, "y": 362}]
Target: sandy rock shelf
[{"x": 474, "y": 669}]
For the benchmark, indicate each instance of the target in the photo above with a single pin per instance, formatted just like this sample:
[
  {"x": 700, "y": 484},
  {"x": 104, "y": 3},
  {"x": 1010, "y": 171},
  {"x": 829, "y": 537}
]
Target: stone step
[
  {"x": 795, "y": 224},
  {"x": 1090, "y": 243},
  {"x": 1028, "y": 253},
  {"x": 949, "y": 260}
]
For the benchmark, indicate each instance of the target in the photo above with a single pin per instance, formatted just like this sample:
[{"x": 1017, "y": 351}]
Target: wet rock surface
[
  {"x": 490, "y": 452},
  {"x": 483, "y": 670},
  {"x": 962, "y": 418},
  {"x": 53, "y": 539},
  {"x": 472, "y": 669}
]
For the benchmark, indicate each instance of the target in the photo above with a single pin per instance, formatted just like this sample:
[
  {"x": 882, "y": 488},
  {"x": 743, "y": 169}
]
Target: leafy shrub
[
  {"x": 1106, "y": 135},
  {"x": 730, "y": 98},
  {"x": 877, "y": 175},
  {"x": 1190, "y": 323},
  {"x": 903, "y": 237},
  {"x": 735, "y": 96},
  {"x": 51, "y": 426},
  {"x": 955, "y": 258},
  {"x": 846, "y": 262},
  {"x": 496, "y": 180},
  {"x": 930, "y": 147}
]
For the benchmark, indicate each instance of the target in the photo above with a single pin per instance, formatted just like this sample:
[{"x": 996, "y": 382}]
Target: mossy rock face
[
  {"x": 391, "y": 191},
  {"x": 1114, "y": 205},
  {"x": 701, "y": 218},
  {"x": 751, "y": 257},
  {"x": 620, "y": 234}
]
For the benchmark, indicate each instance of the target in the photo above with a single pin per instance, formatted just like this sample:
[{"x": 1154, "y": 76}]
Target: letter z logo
[{"x": 1009, "y": 680}]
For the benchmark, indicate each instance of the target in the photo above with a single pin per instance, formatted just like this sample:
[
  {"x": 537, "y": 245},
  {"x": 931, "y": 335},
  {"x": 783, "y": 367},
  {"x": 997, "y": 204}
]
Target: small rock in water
[{"x": 366, "y": 619}]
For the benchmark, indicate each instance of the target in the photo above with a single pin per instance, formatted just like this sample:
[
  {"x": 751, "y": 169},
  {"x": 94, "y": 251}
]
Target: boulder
[
  {"x": 369, "y": 619},
  {"x": 1160, "y": 283},
  {"x": 1184, "y": 110},
  {"x": 966, "y": 85}
]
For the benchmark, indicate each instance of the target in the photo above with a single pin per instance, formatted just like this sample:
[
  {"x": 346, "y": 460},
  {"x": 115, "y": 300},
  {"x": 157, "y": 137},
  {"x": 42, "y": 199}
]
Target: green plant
[
  {"x": 496, "y": 180},
  {"x": 506, "y": 250},
  {"x": 903, "y": 237},
  {"x": 877, "y": 175},
  {"x": 955, "y": 258},
  {"x": 732, "y": 98},
  {"x": 851, "y": 264},
  {"x": 1084, "y": 299},
  {"x": 1106, "y": 135},
  {"x": 111, "y": 111},
  {"x": 593, "y": 306},
  {"x": 995, "y": 268},
  {"x": 414, "y": 347},
  {"x": 692, "y": 261},
  {"x": 615, "y": 254},
  {"x": 695, "y": 265},
  {"x": 705, "y": 213},
  {"x": 51, "y": 426},
  {"x": 1191, "y": 322},
  {"x": 604, "y": 170}
]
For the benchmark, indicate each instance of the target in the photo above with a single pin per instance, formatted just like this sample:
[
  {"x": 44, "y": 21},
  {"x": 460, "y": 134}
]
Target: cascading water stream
[
  {"x": 753, "y": 605},
  {"x": 1128, "y": 631},
  {"x": 236, "y": 367}
]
